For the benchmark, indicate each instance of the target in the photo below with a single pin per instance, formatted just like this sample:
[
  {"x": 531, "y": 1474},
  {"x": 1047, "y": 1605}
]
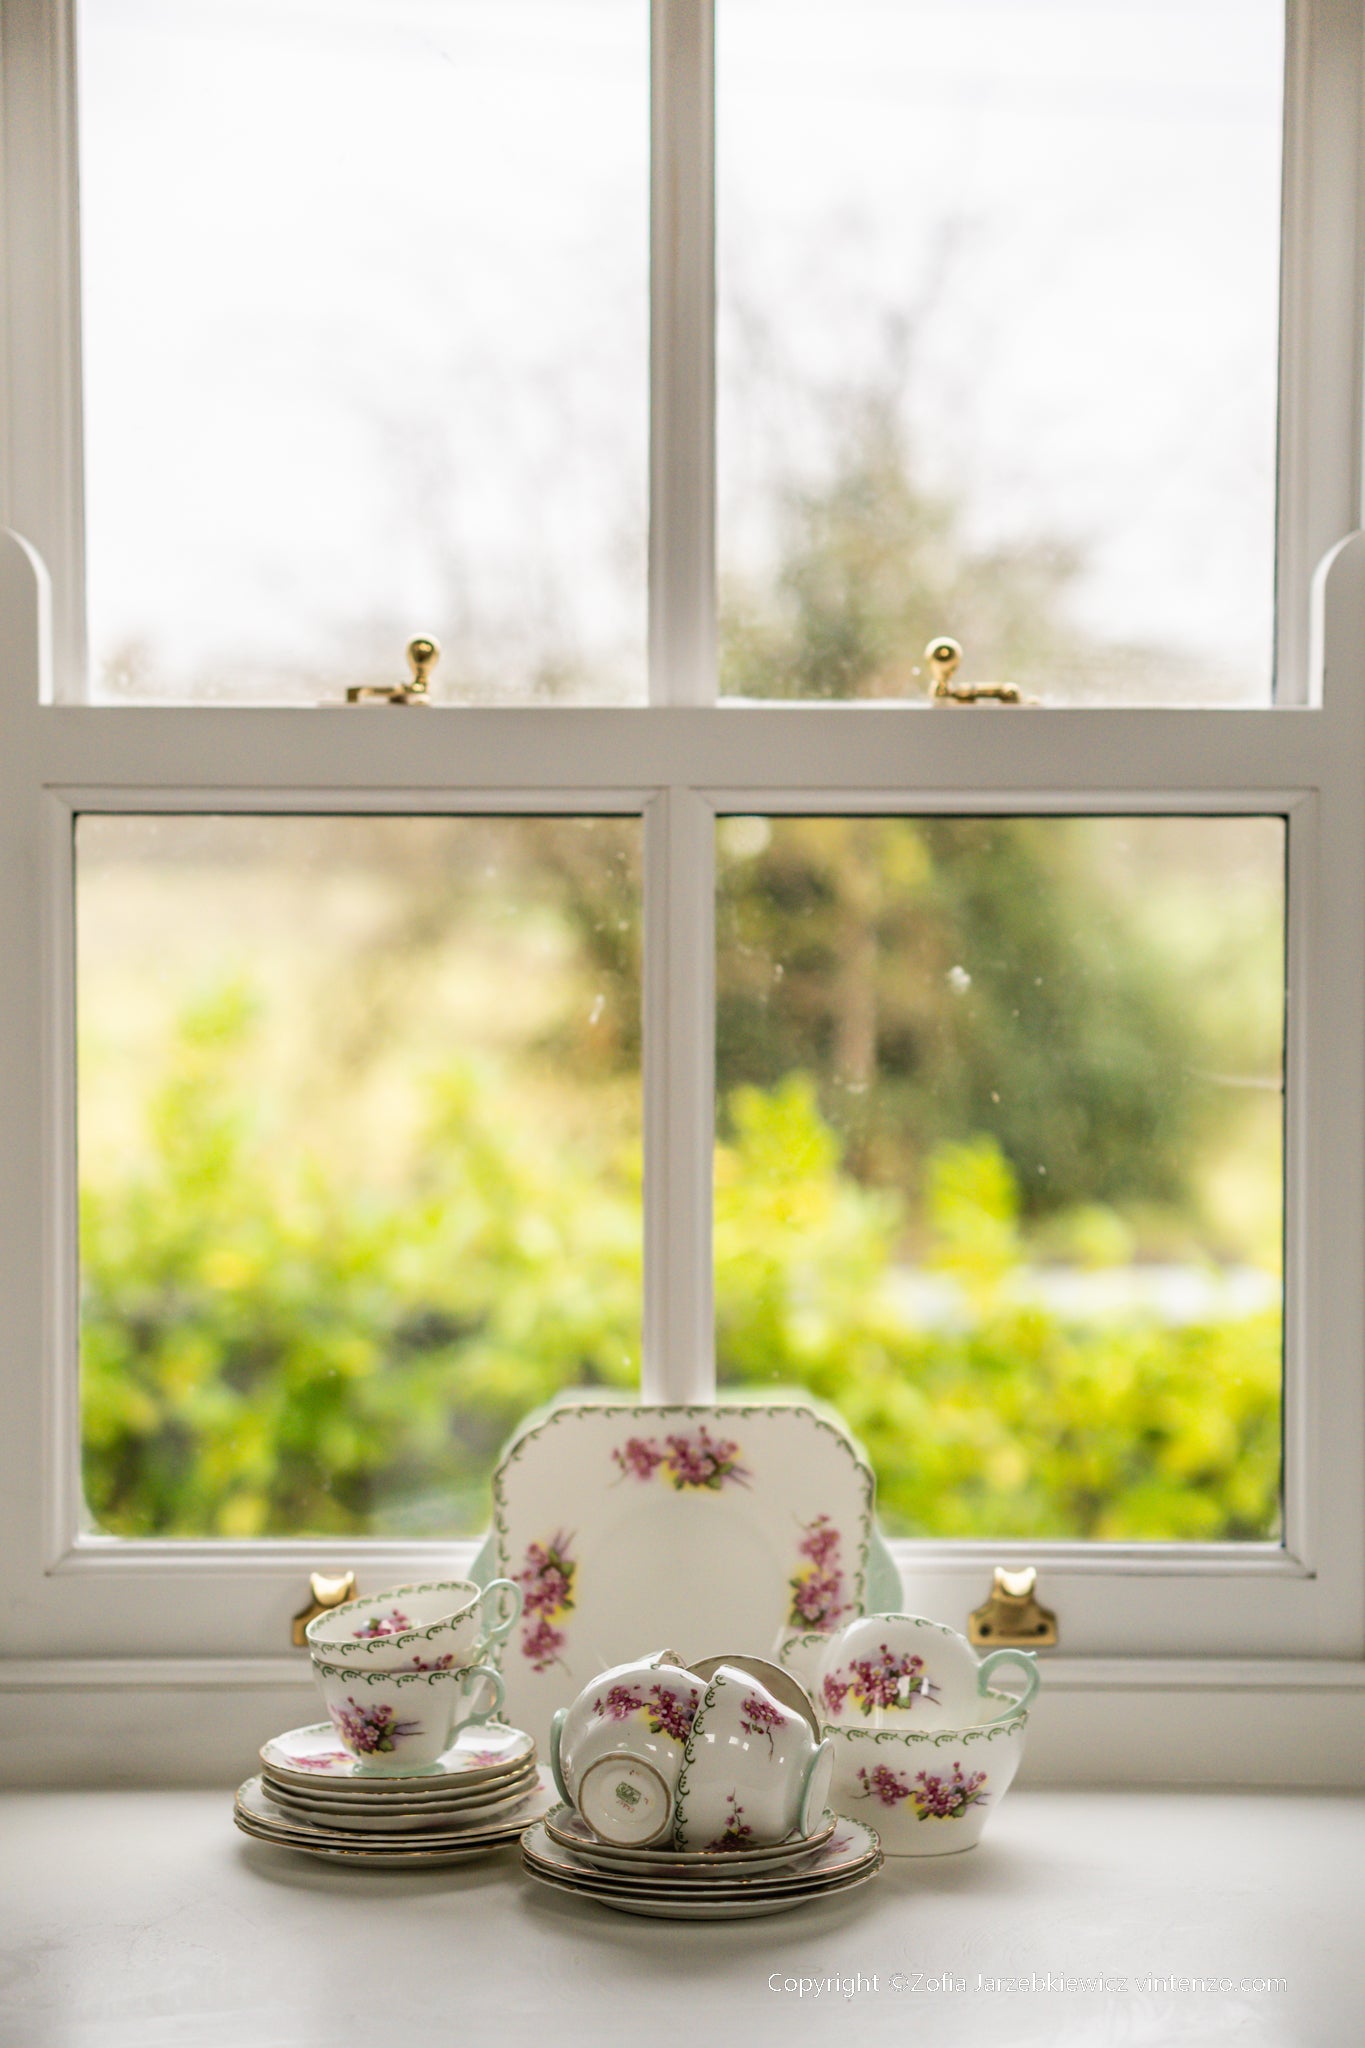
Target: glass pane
[
  {"x": 359, "y": 1159},
  {"x": 365, "y": 311},
  {"x": 1000, "y": 1162},
  {"x": 998, "y": 288}
]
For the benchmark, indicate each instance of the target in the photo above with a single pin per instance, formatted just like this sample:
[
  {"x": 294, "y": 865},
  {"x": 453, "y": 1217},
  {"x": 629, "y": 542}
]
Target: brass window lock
[
  {"x": 324, "y": 1593},
  {"x": 423, "y": 655},
  {"x": 1014, "y": 1615},
  {"x": 944, "y": 656}
]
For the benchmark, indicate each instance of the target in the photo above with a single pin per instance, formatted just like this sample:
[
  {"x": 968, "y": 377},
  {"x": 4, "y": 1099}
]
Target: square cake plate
[{"x": 703, "y": 1529}]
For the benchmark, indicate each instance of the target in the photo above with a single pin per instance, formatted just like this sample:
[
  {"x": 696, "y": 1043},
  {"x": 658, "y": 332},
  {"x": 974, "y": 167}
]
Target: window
[{"x": 498, "y": 448}]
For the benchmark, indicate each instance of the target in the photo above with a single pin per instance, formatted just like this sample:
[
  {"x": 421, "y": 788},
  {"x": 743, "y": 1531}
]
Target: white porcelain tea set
[
  {"x": 696, "y": 1792},
  {"x": 410, "y": 1768},
  {"x": 693, "y": 1789},
  {"x": 722, "y": 1788}
]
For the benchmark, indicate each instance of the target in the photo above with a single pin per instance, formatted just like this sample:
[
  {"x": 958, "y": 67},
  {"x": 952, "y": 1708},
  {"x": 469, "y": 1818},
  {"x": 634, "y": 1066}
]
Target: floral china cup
[
  {"x": 393, "y": 1722},
  {"x": 929, "y": 1791},
  {"x": 617, "y": 1752},
  {"x": 425, "y": 1627},
  {"x": 903, "y": 1671},
  {"x": 753, "y": 1771}
]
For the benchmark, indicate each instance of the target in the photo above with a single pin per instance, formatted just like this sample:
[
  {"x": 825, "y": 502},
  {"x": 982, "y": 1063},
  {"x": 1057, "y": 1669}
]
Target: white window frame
[{"x": 1183, "y": 1620}]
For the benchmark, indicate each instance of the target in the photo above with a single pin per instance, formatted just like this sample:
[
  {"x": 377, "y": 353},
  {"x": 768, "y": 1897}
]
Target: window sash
[
  {"x": 1322, "y": 307},
  {"x": 679, "y": 763},
  {"x": 680, "y": 768}
]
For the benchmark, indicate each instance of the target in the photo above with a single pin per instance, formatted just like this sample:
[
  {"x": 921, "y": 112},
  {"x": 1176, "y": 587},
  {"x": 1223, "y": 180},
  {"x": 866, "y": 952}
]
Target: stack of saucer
[
  {"x": 702, "y": 1884},
  {"x": 483, "y": 1792}
]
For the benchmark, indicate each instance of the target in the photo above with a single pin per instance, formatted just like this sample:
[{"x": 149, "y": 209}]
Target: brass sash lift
[
  {"x": 423, "y": 655},
  {"x": 943, "y": 656}
]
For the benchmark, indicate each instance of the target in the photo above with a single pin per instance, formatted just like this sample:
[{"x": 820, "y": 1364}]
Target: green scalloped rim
[
  {"x": 692, "y": 1410},
  {"x": 451, "y": 1671},
  {"x": 400, "y": 1638},
  {"x": 1014, "y": 1725}
]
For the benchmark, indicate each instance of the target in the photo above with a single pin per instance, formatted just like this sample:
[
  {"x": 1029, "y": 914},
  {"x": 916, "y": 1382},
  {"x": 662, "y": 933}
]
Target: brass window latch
[
  {"x": 943, "y": 656},
  {"x": 423, "y": 655},
  {"x": 324, "y": 1592},
  {"x": 1014, "y": 1616}
]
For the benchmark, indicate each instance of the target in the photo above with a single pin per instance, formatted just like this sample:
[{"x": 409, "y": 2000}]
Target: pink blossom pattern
[
  {"x": 546, "y": 1580},
  {"x": 939, "y": 1798},
  {"x": 884, "y": 1681},
  {"x": 933, "y": 1796},
  {"x": 688, "y": 1463},
  {"x": 817, "y": 1587},
  {"x": 737, "y": 1831},
  {"x": 759, "y": 1717},
  {"x": 669, "y": 1713},
  {"x": 437, "y": 1663},
  {"x": 383, "y": 1625},
  {"x": 484, "y": 1756},
  {"x": 639, "y": 1457},
  {"x": 367, "y": 1731},
  {"x": 323, "y": 1761}
]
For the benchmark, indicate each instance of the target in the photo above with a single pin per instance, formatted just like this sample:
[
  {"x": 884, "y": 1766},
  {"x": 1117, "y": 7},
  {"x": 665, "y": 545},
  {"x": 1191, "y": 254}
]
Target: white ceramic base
[{"x": 625, "y": 1801}]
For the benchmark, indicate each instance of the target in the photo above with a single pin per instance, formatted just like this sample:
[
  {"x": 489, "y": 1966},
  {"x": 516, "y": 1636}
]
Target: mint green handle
[
  {"x": 1027, "y": 1660},
  {"x": 556, "y": 1767},
  {"x": 470, "y": 1678},
  {"x": 503, "y": 1597}
]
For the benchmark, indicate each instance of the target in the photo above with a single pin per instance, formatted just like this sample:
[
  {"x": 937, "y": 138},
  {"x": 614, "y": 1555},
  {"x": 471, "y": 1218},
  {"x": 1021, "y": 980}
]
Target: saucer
[
  {"x": 257, "y": 1814},
  {"x": 392, "y": 1817},
  {"x": 850, "y": 1859},
  {"x": 570, "y": 1831},
  {"x": 313, "y": 1756}
]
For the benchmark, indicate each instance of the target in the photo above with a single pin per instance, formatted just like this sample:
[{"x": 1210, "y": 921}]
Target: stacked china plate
[
  {"x": 311, "y": 1795},
  {"x": 702, "y": 1884}
]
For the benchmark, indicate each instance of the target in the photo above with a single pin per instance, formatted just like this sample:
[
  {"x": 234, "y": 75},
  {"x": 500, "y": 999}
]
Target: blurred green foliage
[
  {"x": 1016, "y": 1424},
  {"x": 267, "y": 1348},
  {"x": 943, "y": 976},
  {"x": 270, "y": 1348}
]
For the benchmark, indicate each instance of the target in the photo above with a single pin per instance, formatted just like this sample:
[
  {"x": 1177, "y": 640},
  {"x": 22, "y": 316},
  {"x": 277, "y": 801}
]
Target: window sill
[{"x": 200, "y": 1935}]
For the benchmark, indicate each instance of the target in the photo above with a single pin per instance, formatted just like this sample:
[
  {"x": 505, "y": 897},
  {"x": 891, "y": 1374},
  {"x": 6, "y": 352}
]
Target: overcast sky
[{"x": 366, "y": 309}]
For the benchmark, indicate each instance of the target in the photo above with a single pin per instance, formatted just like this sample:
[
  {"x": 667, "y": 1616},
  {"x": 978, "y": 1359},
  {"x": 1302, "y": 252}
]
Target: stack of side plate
[
  {"x": 313, "y": 1797},
  {"x": 709, "y": 1884}
]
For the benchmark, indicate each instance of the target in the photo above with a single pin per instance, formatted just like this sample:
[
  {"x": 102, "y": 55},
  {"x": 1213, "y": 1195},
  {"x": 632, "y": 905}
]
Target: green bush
[{"x": 267, "y": 1349}]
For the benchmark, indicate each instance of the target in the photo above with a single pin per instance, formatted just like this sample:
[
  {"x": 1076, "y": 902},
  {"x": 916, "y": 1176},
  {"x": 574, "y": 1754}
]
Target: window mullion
[
  {"x": 679, "y": 1066},
  {"x": 682, "y": 565}
]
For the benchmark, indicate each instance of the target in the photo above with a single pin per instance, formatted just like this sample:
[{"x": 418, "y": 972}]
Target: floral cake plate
[{"x": 697, "y": 1526}]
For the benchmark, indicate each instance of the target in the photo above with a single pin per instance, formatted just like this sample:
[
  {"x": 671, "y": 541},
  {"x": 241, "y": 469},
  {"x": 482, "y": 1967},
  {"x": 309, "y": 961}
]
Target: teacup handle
[
  {"x": 1028, "y": 1663},
  {"x": 469, "y": 1678},
  {"x": 556, "y": 1763},
  {"x": 508, "y": 1606}
]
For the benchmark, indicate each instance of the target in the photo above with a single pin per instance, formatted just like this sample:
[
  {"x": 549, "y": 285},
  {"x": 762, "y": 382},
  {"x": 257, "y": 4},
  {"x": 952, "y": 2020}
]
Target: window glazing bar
[{"x": 682, "y": 553}]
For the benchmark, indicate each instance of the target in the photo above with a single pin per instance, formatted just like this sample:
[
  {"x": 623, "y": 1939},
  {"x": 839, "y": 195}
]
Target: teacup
[
  {"x": 617, "y": 1752},
  {"x": 930, "y": 1791},
  {"x": 902, "y": 1670},
  {"x": 393, "y": 1722},
  {"x": 436, "y": 1625},
  {"x": 753, "y": 1771}
]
